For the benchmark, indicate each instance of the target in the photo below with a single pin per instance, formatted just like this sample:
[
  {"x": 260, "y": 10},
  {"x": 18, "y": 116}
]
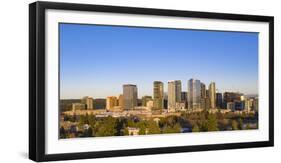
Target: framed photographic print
[{"x": 110, "y": 81}]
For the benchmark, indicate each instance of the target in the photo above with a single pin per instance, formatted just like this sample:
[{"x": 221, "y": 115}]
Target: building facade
[
  {"x": 88, "y": 101},
  {"x": 121, "y": 101},
  {"x": 194, "y": 94},
  {"x": 111, "y": 102},
  {"x": 78, "y": 106},
  {"x": 145, "y": 99},
  {"x": 158, "y": 94},
  {"x": 174, "y": 94},
  {"x": 130, "y": 95},
  {"x": 212, "y": 95},
  {"x": 219, "y": 100}
]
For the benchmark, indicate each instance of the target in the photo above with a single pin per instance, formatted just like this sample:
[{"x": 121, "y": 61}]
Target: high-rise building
[
  {"x": 204, "y": 100},
  {"x": 256, "y": 104},
  {"x": 130, "y": 95},
  {"x": 219, "y": 100},
  {"x": 88, "y": 101},
  {"x": 248, "y": 104},
  {"x": 158, "y": 94},
  {"x": 231, "y": 96},
  {"x": 145, "y": 99},
  {"x": 184, "y": 98},
  {"x": 194, "y": 94},
  {"x": 212, "y": 95},
  {"x": 174, "y": 94},
  {"x": 111, "y": 102},
  {"x": 203, "y": 90},
  {"x": 121, "y": 101}
]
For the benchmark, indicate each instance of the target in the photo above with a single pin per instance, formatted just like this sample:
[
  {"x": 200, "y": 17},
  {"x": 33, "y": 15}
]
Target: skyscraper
[
  {"x": 158, "y": 94},
  {"x": 130, "y": 95},
  {"x": 219, "y": 100},
  {"x": 203, "y": 90},
  {"x": 174, "y": 94},
  {"x": 212, "y": 95},
  {"x": 184, "y": 97},
  {"x": 194, "y": 94}
]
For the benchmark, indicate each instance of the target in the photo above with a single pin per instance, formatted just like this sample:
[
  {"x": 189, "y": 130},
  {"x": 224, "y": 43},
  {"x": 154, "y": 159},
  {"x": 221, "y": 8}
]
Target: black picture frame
[{"x": 37, "y": 80}]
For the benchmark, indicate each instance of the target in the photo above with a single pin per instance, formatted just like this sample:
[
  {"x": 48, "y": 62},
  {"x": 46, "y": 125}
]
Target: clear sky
[{"x": 97, "y": 60}]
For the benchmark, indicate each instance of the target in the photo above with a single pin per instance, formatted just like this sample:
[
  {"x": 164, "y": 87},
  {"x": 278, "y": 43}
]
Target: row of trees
[{"x": 196, "y": 122}]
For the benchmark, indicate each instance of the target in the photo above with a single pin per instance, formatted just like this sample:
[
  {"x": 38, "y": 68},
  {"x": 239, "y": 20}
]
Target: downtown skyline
[{"x": 97, "y": 60}]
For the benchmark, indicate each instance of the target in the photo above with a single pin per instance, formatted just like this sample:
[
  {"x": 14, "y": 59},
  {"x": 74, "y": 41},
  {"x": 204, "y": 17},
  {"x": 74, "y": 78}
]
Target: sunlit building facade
[
  {"x": 145, "y": 99},
  {"x": 194, "y": 94},
  {"x": 111, "y": 102},
  {"x": 158, "y": 94},
  {"x": 130, "y": 95},
  {"x": 212, "y": 95},
  {"x": 121, "y": 101},
  {"x": 174, "y": 94},
  {"x": 88, "y": 101}
]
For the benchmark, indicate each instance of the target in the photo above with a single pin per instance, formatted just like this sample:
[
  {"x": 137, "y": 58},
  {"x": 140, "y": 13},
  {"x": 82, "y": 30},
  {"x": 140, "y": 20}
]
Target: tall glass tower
[{"x": 194, "y": 94}]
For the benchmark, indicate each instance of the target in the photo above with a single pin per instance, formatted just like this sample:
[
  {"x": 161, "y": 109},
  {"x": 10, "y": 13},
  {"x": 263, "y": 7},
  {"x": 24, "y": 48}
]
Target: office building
[
  {"x": 194, "y": 94},
  {"x": 78, "y": 106},
  {"x": 145, "y": 99},
  {"x": 212, "y": 95},
  {"x": 130, "y": 96},
  {"x": 219, "y": 100},
  {"x": 174, "y": 94},
  {"x": 158, "y": 95},
  {"x": 121, "y": 101},
  {"x": 111, "y": 102},
  {"x": 88, "y": 101}
]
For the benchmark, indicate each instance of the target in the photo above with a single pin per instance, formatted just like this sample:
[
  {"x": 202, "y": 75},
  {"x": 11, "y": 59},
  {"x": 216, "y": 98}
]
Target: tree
[
  {"x": 142, "y": 125},
  {"x": 152, "y": 127},
  {"x": 106, "y": 128},
  {"x": 234, "y": 125},
  {"x": 248, "y": 126},
  {"x": 172, "y": 129},
  {"x": 62, "y": 133},
  {"x": 240, "y": 121},
  {"x": 195, "y": 128},
  {"x": 212, "y": 124},
  {"x": 88, "y": 132}
]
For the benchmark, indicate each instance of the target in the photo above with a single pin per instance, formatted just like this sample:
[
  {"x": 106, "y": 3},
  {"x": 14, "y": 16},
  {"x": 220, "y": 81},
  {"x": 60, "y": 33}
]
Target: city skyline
[{"x": 100, "y": 71}]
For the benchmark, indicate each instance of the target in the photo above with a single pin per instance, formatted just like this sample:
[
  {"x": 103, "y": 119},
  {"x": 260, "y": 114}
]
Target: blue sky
[{"x": 98, "y": 60}]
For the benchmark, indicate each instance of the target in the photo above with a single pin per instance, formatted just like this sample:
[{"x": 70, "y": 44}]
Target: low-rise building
[
  {"x": 78, "y": 106},
  {"x": 132, "y": 131}
]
